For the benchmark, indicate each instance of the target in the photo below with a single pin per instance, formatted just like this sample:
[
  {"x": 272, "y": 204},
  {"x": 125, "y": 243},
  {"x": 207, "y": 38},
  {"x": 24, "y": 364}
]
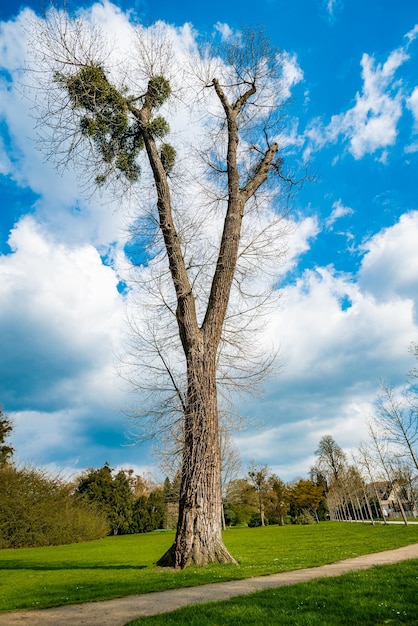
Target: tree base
[{"x": 197, "y": 556}]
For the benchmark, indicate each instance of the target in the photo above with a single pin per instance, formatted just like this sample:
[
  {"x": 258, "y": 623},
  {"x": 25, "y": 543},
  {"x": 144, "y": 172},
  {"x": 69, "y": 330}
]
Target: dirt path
[{"x": 120, "y": 611}]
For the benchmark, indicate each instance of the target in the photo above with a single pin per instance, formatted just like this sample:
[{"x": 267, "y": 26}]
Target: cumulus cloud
[
  {"x": 60, "y": 202},
  {"x": 60, "y": 318},
  {"x": 338, "y": 334},
  {"x": 370, "y": 125},
  {"x": 390, "y": 266}
]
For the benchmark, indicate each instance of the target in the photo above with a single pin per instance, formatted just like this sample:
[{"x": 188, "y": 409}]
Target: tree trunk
[
  {"x": 401, "y": 509},
  {"x": 369, "y": 510},
  {"x": 199, "y": 529},
  {"x": 263, "y": 523}
]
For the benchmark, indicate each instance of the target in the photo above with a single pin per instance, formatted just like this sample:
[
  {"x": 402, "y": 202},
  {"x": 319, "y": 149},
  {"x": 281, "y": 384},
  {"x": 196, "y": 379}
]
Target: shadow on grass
[{"x": 45, "y": 567}]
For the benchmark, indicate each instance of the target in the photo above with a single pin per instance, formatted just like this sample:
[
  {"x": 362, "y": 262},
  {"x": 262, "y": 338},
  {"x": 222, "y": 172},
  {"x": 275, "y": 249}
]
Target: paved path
[{"x": 122, "y": 610}]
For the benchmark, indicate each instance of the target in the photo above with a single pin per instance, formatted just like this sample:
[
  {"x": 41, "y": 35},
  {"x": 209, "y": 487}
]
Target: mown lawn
[
  {"x": 118, "y": 566},
  {"x": 381, "y": 595}
]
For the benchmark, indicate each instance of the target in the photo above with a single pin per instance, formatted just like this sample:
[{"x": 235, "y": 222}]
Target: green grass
[
  {"x": 381, "y": 595},
  {"x": 119, "y": 566}
]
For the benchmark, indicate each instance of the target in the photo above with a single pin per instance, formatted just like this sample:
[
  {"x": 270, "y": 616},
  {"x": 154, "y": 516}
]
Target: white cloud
[
  {"x": 338, "y": 335},
  {"x": 390, "y": 266},
  {"x": 292, "y": 73},
  {"x": 59, "y": 203},
  {"x": 61, "y": 320},
  {"x": 372, "y": 123},
  {"x": 339, "y": 210},
  {"x": 412, "y": 104},
  {"x": 331, "y": 8},
  {"x": 60, "y": 317},
  {"x": 225, "y": 30},
  {"x": 304, "y": 230},
  {"x": 412, "y": 34}
]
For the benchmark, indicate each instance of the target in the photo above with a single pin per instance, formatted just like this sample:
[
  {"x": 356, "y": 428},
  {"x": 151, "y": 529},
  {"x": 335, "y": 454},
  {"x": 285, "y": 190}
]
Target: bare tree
[
  {"x": 106, "y": 120},
  {"x": 364, "y": 460},
  {"x": 331, "y": 458},
  {"x": 413, "y": 373},
  {"x": 385, "y": 458},
  {"x": 398, "y": 419}
]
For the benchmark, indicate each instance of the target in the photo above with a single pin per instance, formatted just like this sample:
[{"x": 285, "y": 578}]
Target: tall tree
[
  {"x": 331, "y": 458},
  {"x": 6, "y": 451},
  {"x": 278, "y": 506},
  {"x": 110, "y": 119},
  {"x": 397, "y": 418},
  {"x": 258, "y": 475}
]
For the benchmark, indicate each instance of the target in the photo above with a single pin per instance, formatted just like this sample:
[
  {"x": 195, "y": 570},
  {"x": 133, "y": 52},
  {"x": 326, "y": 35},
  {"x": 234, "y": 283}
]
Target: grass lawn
[
  {"x": 381, "y": 595},
  {"x": 119, "y": 566}
]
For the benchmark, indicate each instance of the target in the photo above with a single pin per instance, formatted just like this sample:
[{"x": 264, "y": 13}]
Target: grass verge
[
  {"x": 381, "y": 595},
  {"x": 120, "y": 566}
]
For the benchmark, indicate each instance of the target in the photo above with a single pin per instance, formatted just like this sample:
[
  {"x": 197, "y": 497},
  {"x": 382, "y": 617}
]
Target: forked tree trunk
[
  {"x": 199, "y": 539},
  {"x": 199, "y": 529},
  {"x": 102, "y": 106}
]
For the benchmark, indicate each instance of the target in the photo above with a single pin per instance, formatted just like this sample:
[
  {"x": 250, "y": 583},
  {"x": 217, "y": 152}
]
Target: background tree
[
  {"x": 172, "y": 489},
  {"x": 6, "y": 451},
  {"x": 241, "y": 502},
  {"x": 149, "y": 512},
  {"x": 305, "y": 497},
  {"x": 230, "y": 466},
  {"x": 397, "y": 418},
  {"x": 278, "y": 504},
  {"x": 112, "y": 494},
  {"x": 258, "y": 475},
  {"x": 107, "y": 121},
  {"x": 319, "y": 479},
  {"x": 366, "y": 465},
  {"x": 384, "y": 457},
  {"x": 331, "y": 458}
]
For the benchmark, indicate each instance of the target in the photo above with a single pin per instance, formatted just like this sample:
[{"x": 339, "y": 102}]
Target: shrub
[
  {"x": 256, "y": 521},
  {"x": 38, "y": 510},
  {"x": 305, "y": 518}
]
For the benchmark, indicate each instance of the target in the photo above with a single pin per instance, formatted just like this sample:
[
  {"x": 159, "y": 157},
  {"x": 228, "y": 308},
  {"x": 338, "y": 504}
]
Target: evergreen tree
[{"x": 113, "y": 495}]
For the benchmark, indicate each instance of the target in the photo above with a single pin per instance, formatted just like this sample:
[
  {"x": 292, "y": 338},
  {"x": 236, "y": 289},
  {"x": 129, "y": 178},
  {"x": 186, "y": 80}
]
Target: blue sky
[{"x": 348, "y": 308}]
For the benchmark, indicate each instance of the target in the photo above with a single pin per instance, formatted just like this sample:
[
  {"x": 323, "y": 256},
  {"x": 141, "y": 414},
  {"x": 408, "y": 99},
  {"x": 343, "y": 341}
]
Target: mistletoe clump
[{"x": 108, "y": 119}]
